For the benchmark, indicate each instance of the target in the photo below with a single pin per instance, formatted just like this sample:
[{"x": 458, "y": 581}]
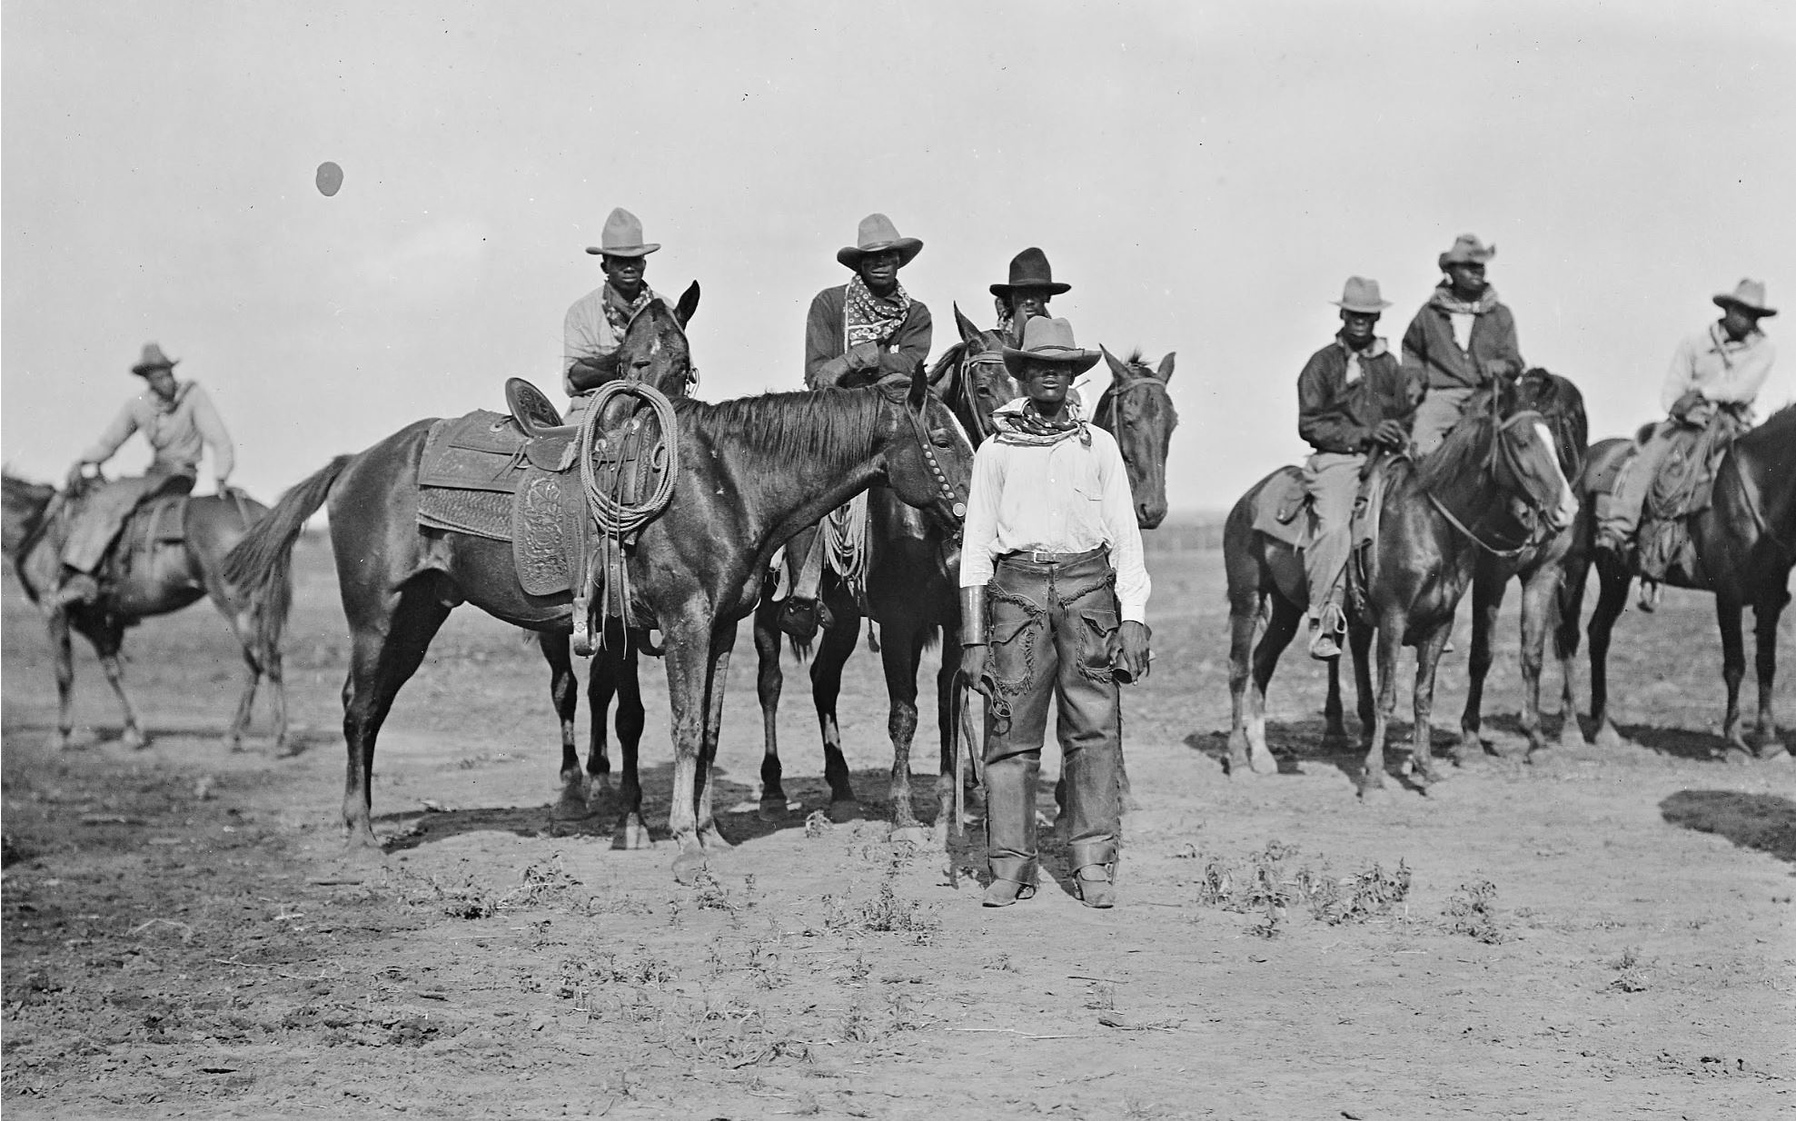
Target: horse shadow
[
  {"x": 1299, "y": 746},
  {"x": 1681, "y": 743},
  {"x": 1766, "y": 822},
  {"x": 735, "y": 806}
]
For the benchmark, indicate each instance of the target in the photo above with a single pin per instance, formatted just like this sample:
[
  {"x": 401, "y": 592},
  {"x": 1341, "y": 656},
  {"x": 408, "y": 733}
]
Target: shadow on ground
[{"x": 1765, "y": 822}]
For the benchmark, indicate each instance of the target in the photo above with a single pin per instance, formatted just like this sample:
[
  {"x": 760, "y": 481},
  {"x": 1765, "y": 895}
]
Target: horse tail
[{"x": 261, "y": 565}]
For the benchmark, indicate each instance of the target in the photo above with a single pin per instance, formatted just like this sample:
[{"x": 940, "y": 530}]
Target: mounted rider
[
  {"x": 1353, "y": 398},
  {"x": 1025, "y": 294},
  {"x": 594, "y": 326},
  {"x": 1715, "y": 376},
  {"x": 179, "y": 421},
  {"x": 855, "y": 334},
  {"x": 1462, "y": 339},
  {"x": 1054, "y": 595}
]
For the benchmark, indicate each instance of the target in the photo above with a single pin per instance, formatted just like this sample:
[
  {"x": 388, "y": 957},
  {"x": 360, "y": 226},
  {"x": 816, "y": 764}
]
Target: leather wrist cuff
[{"x": 972, "y": 617}]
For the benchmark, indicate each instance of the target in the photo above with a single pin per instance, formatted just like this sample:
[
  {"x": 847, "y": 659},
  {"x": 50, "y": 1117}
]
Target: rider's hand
[
  {"x": 1390, "y": 434},
  {"x": 1686, "y": 404},
  {"x": 1129, "y": 651},
  {"x": 832, "y": 372},
  {"x": 972, "y": 667},
  {"x": 862, "y": 356}
]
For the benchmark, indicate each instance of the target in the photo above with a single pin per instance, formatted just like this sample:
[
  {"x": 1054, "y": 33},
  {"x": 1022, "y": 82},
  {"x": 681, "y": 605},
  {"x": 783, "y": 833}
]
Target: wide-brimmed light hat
[
  {"x": 1748, "y": 295},
  {"x": 1049, "y": 340},
  {"x": 153, "y": 359},
  {"x": 1030, "y": 269},
  {"x": 622, "y": 237},
  {"x": 876, "y": 235},
  {"x": 1361, "y": 295},
  {"x": 1467, "y": 250}
]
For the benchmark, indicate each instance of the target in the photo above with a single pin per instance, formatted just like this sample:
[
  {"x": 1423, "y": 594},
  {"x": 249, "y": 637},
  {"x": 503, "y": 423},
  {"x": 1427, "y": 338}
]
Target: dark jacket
[
  {"x": 823, "y": 337},
  {"x": 1336, "y": 417},
  {"x": 1493, "y": 351}
]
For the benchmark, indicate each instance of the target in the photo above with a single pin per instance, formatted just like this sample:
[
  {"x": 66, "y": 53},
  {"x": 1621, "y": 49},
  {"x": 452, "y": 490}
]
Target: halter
[
  {"x": 918, "y": 425},
  {"x": 1112, "y": 399},
  {"x": 981, "y": 424}
]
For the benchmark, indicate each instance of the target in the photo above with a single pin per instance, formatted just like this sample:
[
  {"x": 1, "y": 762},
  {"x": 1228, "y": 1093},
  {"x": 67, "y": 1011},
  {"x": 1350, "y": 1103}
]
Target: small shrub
[
  {"x": 1472, "y": 910},
  {"x": 1630, "y": 974}
]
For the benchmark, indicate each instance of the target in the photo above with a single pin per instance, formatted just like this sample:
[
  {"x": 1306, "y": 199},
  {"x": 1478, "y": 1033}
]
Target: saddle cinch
[{"x": 515, "y": 477}]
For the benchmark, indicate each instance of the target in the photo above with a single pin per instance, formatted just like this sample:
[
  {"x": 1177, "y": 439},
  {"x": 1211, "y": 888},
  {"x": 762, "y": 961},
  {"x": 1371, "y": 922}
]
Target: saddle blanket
[{"x": 1281, "y": 512}]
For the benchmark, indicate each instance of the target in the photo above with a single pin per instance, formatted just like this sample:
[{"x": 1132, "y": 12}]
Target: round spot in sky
[{"x": 330, "y": 178}]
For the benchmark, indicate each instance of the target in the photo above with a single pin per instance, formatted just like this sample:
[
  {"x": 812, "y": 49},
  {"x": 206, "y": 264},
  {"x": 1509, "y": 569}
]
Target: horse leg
[
  {"x": 107, "y": 638},
  {"x": 833, "y": 648},
  {"x": 625, "y": 670},
  {"x": 946, "y": 724},
  {"x": 1570, "y": 604},
  {"x": 709, "y": 835},
  {"x": 1334, "y": 715},
  {"x": 1733, "y": 672},
  {"x": 1765, "y": 615},
  {"x": 1421, "y": 742},
  {"x": 247, "y": 703},
  {"x": 1612, "y": 597},
  {"x": 900, "y": 655},
  {"x": 1487, "y": 600},
  {"x": 1286, "y": 618},
  {"x": 1359, "y": 639},
  {"x": 65, "y": 678},
  {"x": 1244, "y": 616},
  {"x": 564, "y": 693},
  {"x": 384, "y": 653},
  {"x": 688, "y": 673},
  {"x": 272, "y": 669},
  {"x": 1539, "y": 590},
  {"x": 769, "y": 681},
  {"x": 1390, "y": 649}
]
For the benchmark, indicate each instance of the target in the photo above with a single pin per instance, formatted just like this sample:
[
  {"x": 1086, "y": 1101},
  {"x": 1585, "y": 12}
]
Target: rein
[
  {"x": 982, "y": 426},
  {"x": 1498, "y": 453}
]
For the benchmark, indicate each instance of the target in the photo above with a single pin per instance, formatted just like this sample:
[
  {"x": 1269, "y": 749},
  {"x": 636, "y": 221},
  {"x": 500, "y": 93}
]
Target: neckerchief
[
  {"x": 618, "y": 312},
  {"x": 1719, "y": 340},
  {"x": 1373, "y": 349},
  {"x": 867, "y": 318},
  {"x": 165, "y": 408},
  {"x": 1444, "y": 299},
  {"x": 1020, "y": 423}
]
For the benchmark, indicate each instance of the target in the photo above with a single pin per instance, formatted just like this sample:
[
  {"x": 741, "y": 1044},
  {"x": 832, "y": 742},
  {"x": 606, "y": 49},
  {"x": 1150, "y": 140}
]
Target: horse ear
[
  {"x": 1116, "y": 367},
  {"x": 919, "y": 387},
  {"x": 1165, "y": 370},
  {"x": 968, "y": 332},
  {"x": 941, "y": 375},
  {"x": 683, "y": 311}
]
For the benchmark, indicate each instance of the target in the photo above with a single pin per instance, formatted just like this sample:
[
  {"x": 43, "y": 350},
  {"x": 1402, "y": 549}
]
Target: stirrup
[
  {"x": 1003, "y": 893},
  {"x": 1096, "y": 893},
  {"x": 801, "y": 618}
]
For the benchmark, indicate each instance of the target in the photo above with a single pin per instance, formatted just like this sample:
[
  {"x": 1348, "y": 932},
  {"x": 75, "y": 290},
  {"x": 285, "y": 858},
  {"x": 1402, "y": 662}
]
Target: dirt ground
[{"x": 1592, "y": 934}]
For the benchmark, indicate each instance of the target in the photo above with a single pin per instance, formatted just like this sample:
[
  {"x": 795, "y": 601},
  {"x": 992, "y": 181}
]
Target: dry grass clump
[{"x": 1265, "y": 885}]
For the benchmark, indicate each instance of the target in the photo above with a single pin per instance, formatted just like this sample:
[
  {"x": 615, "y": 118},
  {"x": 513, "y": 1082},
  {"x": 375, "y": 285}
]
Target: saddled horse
[
  {"x": 1746, "y": 543},
  {"x": 1266, "y": 577},
  {"x": 162, "y": 576},
  {"x": 655, "y": 351},
  {"x": 750, "y": 474},
  {"x": 911, "y": 585},
  {"x": 1540, "y": 567}
]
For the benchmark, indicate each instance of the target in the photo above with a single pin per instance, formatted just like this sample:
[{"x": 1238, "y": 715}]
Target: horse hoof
[
  {"x": 1774, "y": 753},
  {"x": 712, "y": 838},
  {"x": 134, "y": 739},
  {"x": 1263, "y": 762},
  {"x": 1373, "y": 793},
  {"x": 909, "y": 835},
  {"x": 688, "y": 866},
  {"x": 1333, "y": 743},
  {"x": 630, "y": 835},
  {"x": 1609, "y": 739},
  {"x": 844, "y": 811},
  {"x": 772, "y": 809},
  {"x": 571, "y": 806},
  {"x": 1738, "y": 756}
]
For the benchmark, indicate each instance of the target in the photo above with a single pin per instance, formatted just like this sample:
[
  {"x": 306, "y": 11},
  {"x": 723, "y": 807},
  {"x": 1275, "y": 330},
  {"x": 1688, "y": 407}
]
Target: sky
[{"x": 1206, "y": 176}]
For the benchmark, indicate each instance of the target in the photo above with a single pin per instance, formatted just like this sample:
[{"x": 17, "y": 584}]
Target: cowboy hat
[
  {"x": 1749, "y": 296},
  {"x": 876, "y": 235},
  {"x": 1361, "y": 295},
  {"x": 1049, "y": 340},
  {"x": 1030, "y": 269},
  {"x": 153, "y": 359},
  {"x": 622, "y": 237},
  {"x": 1467, "y": 250}
]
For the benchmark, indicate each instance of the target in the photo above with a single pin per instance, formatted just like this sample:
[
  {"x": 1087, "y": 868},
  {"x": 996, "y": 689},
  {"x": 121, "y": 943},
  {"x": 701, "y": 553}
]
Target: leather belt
[{"x": 1038, "y": 556}]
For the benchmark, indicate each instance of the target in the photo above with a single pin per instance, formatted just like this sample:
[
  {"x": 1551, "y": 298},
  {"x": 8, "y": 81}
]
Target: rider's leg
[{"x": 1332, "y": 480}]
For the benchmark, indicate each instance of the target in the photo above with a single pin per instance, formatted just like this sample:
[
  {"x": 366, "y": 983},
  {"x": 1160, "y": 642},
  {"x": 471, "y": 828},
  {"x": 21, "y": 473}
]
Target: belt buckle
[{"x": 1039, "y": 556}]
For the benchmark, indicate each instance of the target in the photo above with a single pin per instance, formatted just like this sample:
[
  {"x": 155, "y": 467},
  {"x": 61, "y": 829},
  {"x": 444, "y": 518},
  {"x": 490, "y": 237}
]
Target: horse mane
[
  {"x": 836, "y": 425},
  {"x": 1775, "y": 429},
  {"x": 1464, "y": 449}
]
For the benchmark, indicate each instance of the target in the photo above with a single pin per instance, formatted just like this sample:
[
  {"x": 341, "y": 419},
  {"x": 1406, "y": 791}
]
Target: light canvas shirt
[
  {"x": 586, "y": 333},
  {"x": 1064, "y": 498},
  {"x": 178, "y": 431},
  {"x": 1718, "y": 367}
]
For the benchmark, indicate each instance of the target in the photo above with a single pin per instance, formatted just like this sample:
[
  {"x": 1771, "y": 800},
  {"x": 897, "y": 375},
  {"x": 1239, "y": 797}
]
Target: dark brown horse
[
  {"x": 173, "y": 575},
  {"x": 1137, "y": 409},
  {"x": 1423, "y": 565},
  {"x": 655, "y": 351},
  {"x": 1540, "y": 567},
  {"x": 911, "y": 594},
  {"x": 752, "y": 472},
  {"x": 1746, "y": 542}
]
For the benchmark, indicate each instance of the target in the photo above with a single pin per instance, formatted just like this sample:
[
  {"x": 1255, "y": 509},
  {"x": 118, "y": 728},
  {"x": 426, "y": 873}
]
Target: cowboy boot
[{"x": 77, "y": 588}]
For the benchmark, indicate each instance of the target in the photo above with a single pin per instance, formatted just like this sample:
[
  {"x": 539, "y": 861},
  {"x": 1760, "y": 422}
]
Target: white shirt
[
  {"x": 1462, "y": 328},
  {"x": 1718, "y": 367},
  {"x": 1063, "y": 498}
]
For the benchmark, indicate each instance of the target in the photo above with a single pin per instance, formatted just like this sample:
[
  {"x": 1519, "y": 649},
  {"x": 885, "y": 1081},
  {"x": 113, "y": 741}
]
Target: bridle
[
  {"x": 1501, "y": 461},
  {"x": 982, "y": 428},
  {"x": 920, "y": 426},
  {"x": 1112, "y": 400}
]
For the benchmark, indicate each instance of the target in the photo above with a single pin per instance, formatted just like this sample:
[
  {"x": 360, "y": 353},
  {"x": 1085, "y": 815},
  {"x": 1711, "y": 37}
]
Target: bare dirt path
[{"x": 1595, "y": 934}]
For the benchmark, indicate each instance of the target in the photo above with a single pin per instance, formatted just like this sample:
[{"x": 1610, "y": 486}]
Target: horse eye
[{"x": 940, "y": 438}]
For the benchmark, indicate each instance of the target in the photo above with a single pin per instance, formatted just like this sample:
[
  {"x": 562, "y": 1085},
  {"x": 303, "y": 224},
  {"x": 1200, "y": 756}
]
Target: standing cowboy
[
  {"x": 1461, "y": 340},
  {"x": 594, "y": 327},
  {"x": 855, "y": 334},
  {"x": 1353, "y": 397},
  {"x": 1053, "y": 605},
  {"x": 1716, "y": 372},
  {"x": 178, "y": 420},
  {"x": 1026, "y": 294}
]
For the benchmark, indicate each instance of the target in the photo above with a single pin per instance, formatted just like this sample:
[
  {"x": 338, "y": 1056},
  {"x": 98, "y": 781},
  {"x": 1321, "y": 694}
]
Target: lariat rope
[{"x": 618, "y": 521}]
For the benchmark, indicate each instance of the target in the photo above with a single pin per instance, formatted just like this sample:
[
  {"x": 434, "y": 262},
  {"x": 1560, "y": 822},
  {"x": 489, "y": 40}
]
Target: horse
[
  {"x": 910, "y": 592},
  {"x": 1540, "y": 567},
  {"x": 1136, "y": 408},
  {"x": 1266, "y": 581},
  {"x": 657, "y": 353},
  {"x": 751, "y": 472},
  {"x": 1746, "y": 543},
  {"x": 171, "y": 577}
]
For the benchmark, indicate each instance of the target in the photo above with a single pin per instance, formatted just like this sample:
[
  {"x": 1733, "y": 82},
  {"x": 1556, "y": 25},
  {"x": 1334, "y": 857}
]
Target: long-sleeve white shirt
[
  {"x": 177, "y": 430},
  {"x": 1063, "y": 498},
  {"x": 1718, "y": 367}
]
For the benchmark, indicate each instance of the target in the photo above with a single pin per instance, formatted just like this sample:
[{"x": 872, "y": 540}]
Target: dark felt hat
[{"x": 1030, "y": 269}]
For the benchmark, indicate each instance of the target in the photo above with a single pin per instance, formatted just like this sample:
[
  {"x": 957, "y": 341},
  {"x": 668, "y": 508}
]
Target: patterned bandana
[
  {"x": 1444, "y": 299},
  {"x": 618, "y": 313},
  {"x": 867, "y": 318},
  {"x": 1020, "y": 423}
]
